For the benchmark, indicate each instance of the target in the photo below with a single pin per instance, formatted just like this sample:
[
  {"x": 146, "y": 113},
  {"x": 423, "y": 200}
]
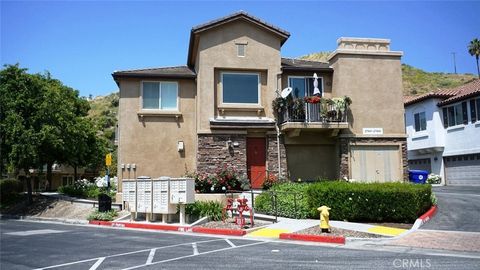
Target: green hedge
[
  {"x": 9, "y": 190},
  {"x": 371, "y": 202},
  {"x": 366, "y": 202},
  {"x": 210, "y": 209},
  {"x": 286, "y": 194},
  {"x": 103, "y": 216}
]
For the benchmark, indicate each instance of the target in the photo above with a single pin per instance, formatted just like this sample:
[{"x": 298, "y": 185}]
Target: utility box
[
  {"x": 161, "y": 195},
  {"x": 182, "y": 190},
  {"x": 144, "y": 195},
  {"x": 129, "y": 193}
]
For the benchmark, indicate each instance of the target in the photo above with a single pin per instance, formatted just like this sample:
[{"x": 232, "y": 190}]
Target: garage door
[
  {"x": 310, "y": 162},
  {"x": 463, "y": 170},
  {"x": 376, "y": 163},
  {"x": 423, "y": 164}
]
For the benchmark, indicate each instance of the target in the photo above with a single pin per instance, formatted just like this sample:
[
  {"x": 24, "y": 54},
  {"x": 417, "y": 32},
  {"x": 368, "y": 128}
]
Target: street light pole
[{"x": 454, "y": 63}]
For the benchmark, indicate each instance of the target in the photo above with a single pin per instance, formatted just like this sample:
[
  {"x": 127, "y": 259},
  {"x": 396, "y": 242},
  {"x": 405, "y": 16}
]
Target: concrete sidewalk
[{"x": 286, "y": 225}]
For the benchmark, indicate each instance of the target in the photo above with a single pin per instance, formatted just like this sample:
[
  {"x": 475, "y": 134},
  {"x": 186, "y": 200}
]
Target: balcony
[{"x": 312, "y": 113}]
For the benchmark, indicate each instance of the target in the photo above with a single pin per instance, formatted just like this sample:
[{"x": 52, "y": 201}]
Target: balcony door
[{"x": 256, "y": 161}]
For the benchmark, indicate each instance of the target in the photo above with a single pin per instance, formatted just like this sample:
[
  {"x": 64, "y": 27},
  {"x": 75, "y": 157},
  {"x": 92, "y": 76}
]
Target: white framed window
[
  {"x": 420, "y": 121},
  {"x": 455, "y": 115},
  {"x": 475, "y": 110},
  {"x": 160, "y": 96},
  {"x": 240, "y": 88},
  {"x": 302, "y": 86},
  {"x": 241, "y": 49}
]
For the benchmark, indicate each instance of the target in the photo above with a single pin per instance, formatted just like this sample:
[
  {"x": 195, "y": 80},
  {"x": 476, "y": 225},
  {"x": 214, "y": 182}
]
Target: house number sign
[{"x": 372, "y": 131}]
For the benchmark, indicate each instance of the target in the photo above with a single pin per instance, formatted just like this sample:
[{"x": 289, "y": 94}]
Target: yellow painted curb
[
  {"x": 266, "y": 232},
  {"x": 386, "y": 230}
]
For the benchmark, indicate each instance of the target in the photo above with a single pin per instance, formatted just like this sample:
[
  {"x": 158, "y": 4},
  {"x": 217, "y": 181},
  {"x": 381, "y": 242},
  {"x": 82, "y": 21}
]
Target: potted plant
[{"x": 298, "y": 109}]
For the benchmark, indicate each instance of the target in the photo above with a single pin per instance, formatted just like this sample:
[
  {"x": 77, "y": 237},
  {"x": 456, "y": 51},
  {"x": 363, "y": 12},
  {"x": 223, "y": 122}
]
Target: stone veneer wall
[
  {"x": 214, "y": 153},
  {"x": 272, "y": 156},
  {"x": 344, "y": 153}
]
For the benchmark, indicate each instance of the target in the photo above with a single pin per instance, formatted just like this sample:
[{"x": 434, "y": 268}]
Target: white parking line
[
  {"x": 122, "y": 254},
  {"x": 195, "y": 249},
  {"x": 97, "y": 264},
  {"x": 151, "y": 255},
  {"x": 34, "y": 232},
  {"x": 189, "y": 256},
  {"x": 230, "y": 242}
]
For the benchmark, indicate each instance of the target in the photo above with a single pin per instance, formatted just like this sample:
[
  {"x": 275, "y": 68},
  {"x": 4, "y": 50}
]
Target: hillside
[
  {"x": 103, "y": 112},
  {"x": 415, "y": 81}
]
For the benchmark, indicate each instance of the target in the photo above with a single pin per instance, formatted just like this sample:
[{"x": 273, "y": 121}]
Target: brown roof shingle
[{"x": 179, "y": 72}]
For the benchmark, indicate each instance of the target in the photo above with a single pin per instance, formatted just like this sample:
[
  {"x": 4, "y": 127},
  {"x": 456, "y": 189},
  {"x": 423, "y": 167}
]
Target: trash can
[
  {"x": 417, "y": 176},
  {"x": 104, "y": 203}
]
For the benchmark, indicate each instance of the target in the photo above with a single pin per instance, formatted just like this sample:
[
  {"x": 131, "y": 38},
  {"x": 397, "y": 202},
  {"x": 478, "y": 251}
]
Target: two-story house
[
  {"x": 217, "y": 110},
  {"x": 443, "y": 130}
]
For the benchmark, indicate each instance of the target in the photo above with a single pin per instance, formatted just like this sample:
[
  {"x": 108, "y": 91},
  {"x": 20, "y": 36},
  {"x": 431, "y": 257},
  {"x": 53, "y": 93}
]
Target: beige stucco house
[{"x": 217, "y": 109}]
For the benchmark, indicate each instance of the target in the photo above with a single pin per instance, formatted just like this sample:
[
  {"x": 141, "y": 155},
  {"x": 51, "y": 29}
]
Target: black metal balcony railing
[{"x": 314, "y": 113}]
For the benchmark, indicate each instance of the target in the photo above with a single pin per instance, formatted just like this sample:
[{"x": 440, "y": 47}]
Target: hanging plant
[
  {"x": 312, "y": 99},
  {"x": 279, "y": 105}
]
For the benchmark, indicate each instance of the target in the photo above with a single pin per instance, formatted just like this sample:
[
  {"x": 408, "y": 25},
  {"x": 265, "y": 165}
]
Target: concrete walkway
[{"x": 286, "y": 225}]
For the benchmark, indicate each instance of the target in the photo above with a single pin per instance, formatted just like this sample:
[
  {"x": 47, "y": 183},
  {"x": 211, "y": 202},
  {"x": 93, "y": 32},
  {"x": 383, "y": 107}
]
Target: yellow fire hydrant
[{"x": 324, "y": 218}]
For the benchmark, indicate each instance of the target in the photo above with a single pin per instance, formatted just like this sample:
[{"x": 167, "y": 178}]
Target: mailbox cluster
[{"x": 157, "y": 196}]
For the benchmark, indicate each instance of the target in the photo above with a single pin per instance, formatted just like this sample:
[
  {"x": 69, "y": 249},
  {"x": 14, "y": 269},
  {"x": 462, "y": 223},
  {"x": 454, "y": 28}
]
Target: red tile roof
[
  {"x": 449, "y": 95},
  {"x": 465, "y": 91}
]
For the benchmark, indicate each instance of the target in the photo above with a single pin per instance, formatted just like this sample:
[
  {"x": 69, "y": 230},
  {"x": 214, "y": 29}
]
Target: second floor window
[
  {"x": 243, "y": 88},
  {"x": 160, "y": 95},
  {"x": 475, "y": 110},
  {"x": 303, "y": 86},
  {"x": 455, "y": 115},
  {"x": 420, "y": 121}
]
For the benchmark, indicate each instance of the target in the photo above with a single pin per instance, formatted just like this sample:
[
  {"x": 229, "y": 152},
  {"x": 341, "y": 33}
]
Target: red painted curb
[
  {"x": 313, "y": 238},
  {"x": 100, "y": 222},
  {"x": 219, "y": 231},
  {"x": 140, "y": 225},
  {"x": 429, "y": 214}
]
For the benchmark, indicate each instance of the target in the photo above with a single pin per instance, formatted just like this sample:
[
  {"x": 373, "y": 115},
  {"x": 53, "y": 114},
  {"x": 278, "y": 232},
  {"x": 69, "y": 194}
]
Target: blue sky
[{"x": 82, "y": 42}]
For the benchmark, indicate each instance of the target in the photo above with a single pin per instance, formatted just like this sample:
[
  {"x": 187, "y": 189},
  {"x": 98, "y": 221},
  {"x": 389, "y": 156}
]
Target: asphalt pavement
[
  {"x": 38, "y": 245},
  {"x": 458, "y": 209}
]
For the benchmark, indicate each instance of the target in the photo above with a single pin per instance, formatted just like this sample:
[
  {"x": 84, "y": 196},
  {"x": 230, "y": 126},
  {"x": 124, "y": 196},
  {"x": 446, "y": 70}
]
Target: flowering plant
[
  {"x": 312, "y": 99},
  {"x": 222, "y": 180},
  {"x": 269, "y": 181},
  {"x": 434, "y": 179}
]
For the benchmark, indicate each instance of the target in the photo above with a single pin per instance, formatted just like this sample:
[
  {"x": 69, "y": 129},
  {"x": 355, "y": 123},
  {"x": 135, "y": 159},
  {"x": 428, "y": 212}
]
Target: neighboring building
[
  {"x": 62, "y": 175},
  {"x": 217, "y": 110},
  {"x": 443, "y": 130}
]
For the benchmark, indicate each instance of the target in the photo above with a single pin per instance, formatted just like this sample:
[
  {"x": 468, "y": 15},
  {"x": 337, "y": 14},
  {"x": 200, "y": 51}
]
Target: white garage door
[
  {"x": 463, "y": 170},
  {"x": 376, "y": 163}
]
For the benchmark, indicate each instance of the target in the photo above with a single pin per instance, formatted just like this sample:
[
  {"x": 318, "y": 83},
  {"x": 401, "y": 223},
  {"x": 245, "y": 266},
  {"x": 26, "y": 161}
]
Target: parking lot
[{"x": 35, "y": 245}]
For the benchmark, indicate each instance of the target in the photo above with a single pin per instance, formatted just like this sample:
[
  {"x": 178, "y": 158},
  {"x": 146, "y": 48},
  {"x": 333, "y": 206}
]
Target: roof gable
[{"x": 241, "y": 15}]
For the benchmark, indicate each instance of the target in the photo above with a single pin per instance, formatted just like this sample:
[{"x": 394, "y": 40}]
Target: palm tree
[{"x": 474, "y": 49}]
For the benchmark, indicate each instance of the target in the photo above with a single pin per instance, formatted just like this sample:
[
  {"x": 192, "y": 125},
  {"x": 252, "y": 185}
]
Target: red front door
[{"x": 256, "y": 157}]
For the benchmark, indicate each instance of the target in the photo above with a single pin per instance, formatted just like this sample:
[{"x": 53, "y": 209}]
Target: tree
[
  {"x": 474, "y": 50},
  {"x": 43, "y": 121},
  {"x": 20, "y": 94}
]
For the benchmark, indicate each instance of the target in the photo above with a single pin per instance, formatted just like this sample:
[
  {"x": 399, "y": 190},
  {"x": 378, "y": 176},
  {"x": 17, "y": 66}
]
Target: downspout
[{"x": 279, "y": 166}]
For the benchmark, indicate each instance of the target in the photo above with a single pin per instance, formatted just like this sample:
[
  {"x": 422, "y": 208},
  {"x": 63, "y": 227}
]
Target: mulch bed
[
  {"x": 229, "y": 224},
  {"x": 315, "y": 230}
]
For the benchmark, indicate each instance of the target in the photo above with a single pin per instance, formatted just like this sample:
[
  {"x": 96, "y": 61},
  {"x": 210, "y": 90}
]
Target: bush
[
  {"x": 85, "y": 189},
  {"x": 370, "y": 202},
  {"x": 9, "y": 190},
  {"x": 104, "y": 216},
  {"x": 220, "y": 181},
  {"x": 210, "y": 209},
  {"x": 287, "y": 195}
]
